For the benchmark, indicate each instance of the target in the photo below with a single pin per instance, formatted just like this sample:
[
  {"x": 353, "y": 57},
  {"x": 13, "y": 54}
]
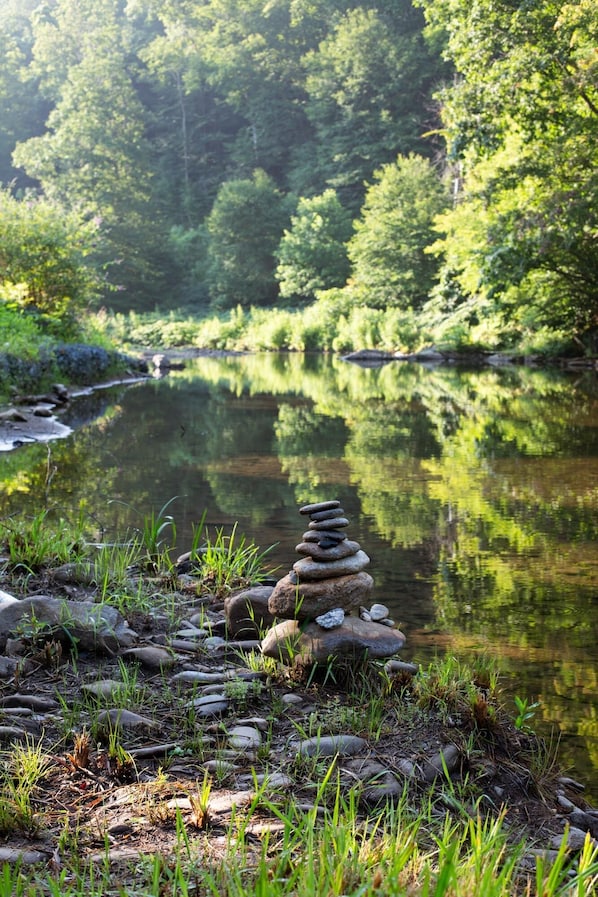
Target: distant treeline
[{"x": 436, "y": 157}]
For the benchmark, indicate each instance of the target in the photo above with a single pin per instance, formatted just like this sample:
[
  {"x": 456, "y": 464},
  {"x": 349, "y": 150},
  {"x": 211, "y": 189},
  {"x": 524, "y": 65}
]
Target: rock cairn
[{"x": 316, "y": 598}]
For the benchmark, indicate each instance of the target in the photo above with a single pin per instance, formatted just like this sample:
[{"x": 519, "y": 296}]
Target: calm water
[{"x": 475, "y": 493}]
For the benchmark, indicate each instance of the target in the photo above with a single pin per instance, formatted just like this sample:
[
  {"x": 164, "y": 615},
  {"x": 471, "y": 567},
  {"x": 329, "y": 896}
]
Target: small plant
[
  {"x": 151, "y": 538},
  {"x": 200, "y": 802},
  {"x": 37, "y": 542},
  {"x": 230, "y": 561},
  {"x": 22, "y": 767},
  {"x": 525, "y": 713}
]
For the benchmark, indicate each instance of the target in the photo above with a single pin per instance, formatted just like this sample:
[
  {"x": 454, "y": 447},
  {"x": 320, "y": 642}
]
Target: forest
[{"x": 434, "y": 161}]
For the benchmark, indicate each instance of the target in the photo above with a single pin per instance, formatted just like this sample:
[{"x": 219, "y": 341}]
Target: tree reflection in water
[{"x": 475, "y": 492}]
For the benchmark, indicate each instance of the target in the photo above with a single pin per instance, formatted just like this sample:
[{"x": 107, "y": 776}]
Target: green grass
[{"x": 326, "y": 851}]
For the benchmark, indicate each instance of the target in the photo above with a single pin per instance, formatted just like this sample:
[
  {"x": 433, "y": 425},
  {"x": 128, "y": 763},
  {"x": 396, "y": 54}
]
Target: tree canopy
[{"x": 154, "y": 117}]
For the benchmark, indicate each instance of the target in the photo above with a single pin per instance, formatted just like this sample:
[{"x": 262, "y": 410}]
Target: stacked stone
[{"x": 316, "y": 598}]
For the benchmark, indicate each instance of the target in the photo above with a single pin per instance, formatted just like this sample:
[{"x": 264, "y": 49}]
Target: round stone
[
  {"x": 244, "y": 738},
  {"x": 379, "y": 612},
  {"x": 307, "y": 600}
]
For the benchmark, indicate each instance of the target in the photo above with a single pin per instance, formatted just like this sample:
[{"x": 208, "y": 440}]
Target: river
[{"x": 474, "y": 492}]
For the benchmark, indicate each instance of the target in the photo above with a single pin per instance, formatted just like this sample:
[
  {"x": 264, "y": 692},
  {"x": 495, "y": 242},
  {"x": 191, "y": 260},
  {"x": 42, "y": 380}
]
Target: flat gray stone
[
  {"x": 335, "y": 523},
  {"x": 104, "y": 688},
  {"x": 210, "y": 705},
  {"x": 247, "y": 614},
  {"x": 331, "y": 745},
  {"x": 13, "y": 855},
  {"x": 244, "y": 738},
  {"x": 119, "y": 718},
  {"x": 320, "y": 536},
  {"x": 310, "y": 570},
  {"x": 319, "y": 506},
  {"x": 329, "y": 514},
  {"x": 153, "y": 657},
  {"x": 339, "y": 550},
  {"x": 39, "y": 703},
  {"x": 9, "y": 733}
]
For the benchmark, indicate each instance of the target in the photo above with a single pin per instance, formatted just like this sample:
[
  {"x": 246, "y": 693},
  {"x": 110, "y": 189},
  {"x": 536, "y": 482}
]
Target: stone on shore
[
  {"x": 247, "y": 613},
  {"x": 307, "y": 644},
  {"x": 308, "y": 600},
  {"x": 81, "y": 624}
]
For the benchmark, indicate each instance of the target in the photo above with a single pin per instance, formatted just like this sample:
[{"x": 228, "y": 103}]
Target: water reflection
[{"x": 474, "y": 492}]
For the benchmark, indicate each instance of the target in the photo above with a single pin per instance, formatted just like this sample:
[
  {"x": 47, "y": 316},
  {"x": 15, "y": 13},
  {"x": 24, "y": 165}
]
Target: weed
[
  {"x": 36, "y": 542},
  {"x": 525, "y": 713},
  {"x": 22, "y": 767},
  {"x": 200, "y": 803},
  {"x": 151, "y": 537},
  {"x": 230, "y": 561}
]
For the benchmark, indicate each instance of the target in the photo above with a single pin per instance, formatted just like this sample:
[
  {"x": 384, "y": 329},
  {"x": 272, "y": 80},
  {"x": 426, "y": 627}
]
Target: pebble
[
  {"x": 14, "y": 855},
  {"x": 152, "y": 657},
  {"x": 394, "y": 667},
  {"x": 120, "y": 718},
  {"x": 244, "y": 738},
  {"x": 449, "y": 757},
  {"x": 332, "y": 619},
  {"x": 33, "y": 702},
  {"x": 291, "y": 698},
  {"x": 8, "y": 733},
  {"x": 379, "y": 612},
  {"x": 575, "y": 839},
  {"x": 105, "y": 688}
]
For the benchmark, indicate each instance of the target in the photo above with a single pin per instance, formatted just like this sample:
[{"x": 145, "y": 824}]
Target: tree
[
  {"x": 522, "y": 130},
  {"x": 44, "y": 258},
  {"x": 22, "y": 109},
  {"x": 313, "y": 254},
  {"x": 368, "y": 88},
  {"x": 244, "y": 228},
  {"x": 388, "y": 250},
  {"x": 93, "y": 156}
]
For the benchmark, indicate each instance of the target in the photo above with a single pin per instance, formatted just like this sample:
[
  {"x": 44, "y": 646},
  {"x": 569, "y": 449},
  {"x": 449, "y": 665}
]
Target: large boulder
[
  {"x": 298, "y": 644},
  {"x": 81, "y": 624},
  {"x": 308, "y": 600}
]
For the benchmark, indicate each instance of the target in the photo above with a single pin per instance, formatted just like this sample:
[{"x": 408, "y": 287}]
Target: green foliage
[
  {"x": 522, "y": 129},
  {"x": 364, "y": 84},
  {"x": 19, "y": 334},
  {"x": 245, "y": 227},
  {"x": 230, "y": 561},
  {"x": 312, "y": 254},
  {"x": 388, "y": 250},
  {"x": 44, "y": 259},
  {"x": 40, "y": 542}
]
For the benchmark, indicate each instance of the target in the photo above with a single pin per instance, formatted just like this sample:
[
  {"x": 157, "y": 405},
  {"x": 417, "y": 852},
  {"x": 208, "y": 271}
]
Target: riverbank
[{"x": 168, "y": 750}]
